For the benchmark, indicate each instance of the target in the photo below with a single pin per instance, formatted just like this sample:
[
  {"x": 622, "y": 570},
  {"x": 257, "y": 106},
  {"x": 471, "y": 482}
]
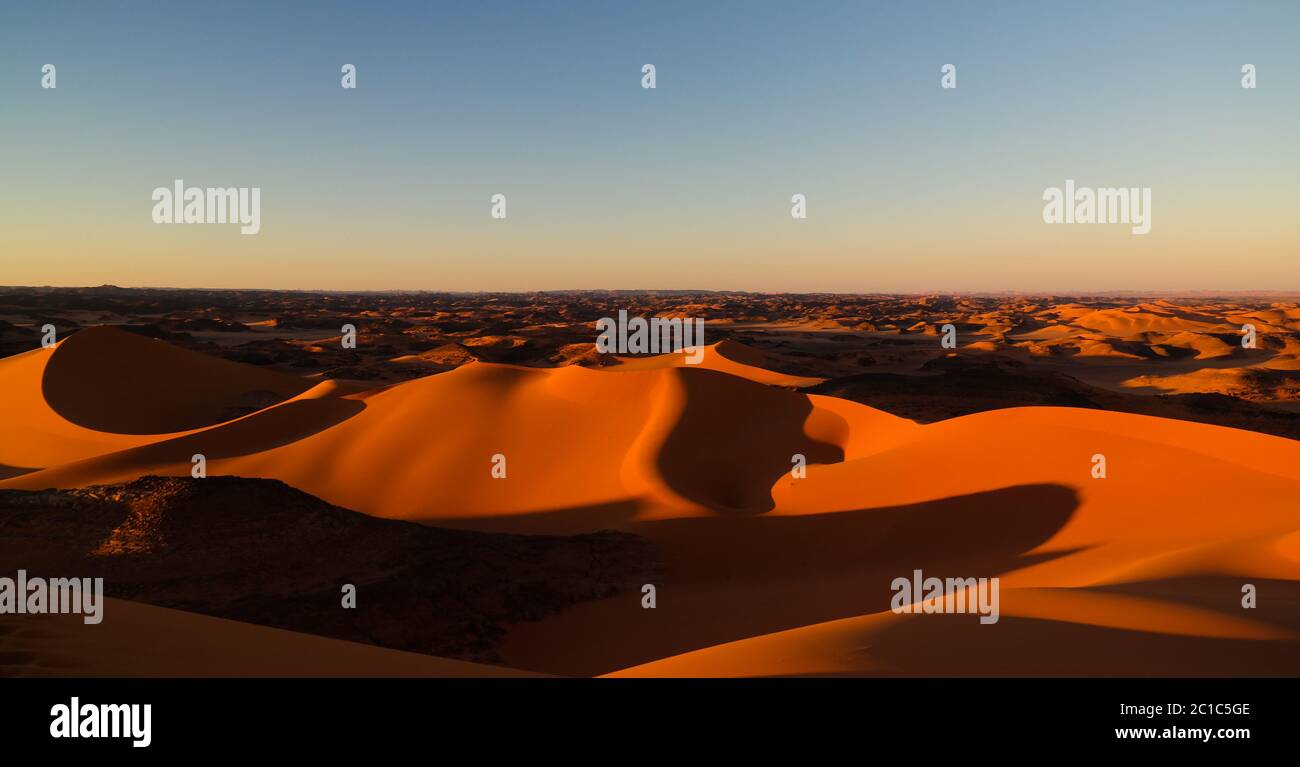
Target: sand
[
  {"x": 147, "y": 641},
  {"x": 1140, "y": 572}
]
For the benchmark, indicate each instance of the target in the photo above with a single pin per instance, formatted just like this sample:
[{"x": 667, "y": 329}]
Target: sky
[{"x": 910, "y": 187}]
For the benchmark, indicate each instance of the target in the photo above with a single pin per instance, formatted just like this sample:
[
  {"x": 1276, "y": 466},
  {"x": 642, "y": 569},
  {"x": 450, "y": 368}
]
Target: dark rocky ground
[{"x": 260, "y": 551}]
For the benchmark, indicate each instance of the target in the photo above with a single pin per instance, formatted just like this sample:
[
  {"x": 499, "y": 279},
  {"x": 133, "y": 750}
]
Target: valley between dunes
[{"x": 764, "y": 574}]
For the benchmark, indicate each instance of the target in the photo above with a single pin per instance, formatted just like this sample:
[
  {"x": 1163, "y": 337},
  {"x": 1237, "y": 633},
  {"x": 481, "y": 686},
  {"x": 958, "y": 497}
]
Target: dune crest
[{"x": 730, "y": 357}]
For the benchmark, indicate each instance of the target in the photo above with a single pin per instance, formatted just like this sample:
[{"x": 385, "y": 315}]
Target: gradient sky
[{"x": 910, "y": 187}]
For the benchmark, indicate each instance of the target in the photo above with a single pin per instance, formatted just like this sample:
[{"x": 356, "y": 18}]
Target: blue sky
[{"x": 910, "y": 187}]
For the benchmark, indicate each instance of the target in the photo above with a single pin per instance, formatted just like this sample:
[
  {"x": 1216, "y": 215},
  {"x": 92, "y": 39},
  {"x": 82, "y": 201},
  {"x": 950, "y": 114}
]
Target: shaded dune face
[
  {"x": 13, "y": 471},
  {"x": 739, "y": 575},
  {"x": 752, "y": 432},
  {"x": 1038, "y": 635},
  {"x": 279, "y": 426},
  {"x": 115, "y": 381},
  {"x": 730, "y": 357},
  {"x": 1140, "y": 572}
]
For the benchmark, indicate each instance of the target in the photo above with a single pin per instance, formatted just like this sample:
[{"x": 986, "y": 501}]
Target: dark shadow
[
  {"x": 1277, "y": 601},
  {"x": 751, "y": 432},
  {"x": 732, "y": 576},
  {"x": 279, "y": 426},
  {"x": 981, "y": 534},
  {"x": 575, "y": 520},
  {"x": 114, "y": 381},
  {"x": 955, "y": 645},
  {"x": 9, "y": 472}
]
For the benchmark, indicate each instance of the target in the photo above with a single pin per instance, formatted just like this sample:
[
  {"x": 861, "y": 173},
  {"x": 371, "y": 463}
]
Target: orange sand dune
[
  {"x": 115, "y": 381},
  {"x": 1090, "y": 348},
  {"x": 1007, "y": 493},
  {"x": 1129, "y": 322},
  {"x": 448, "y": 355},
  {"x": 728, "y": 357},
  {"x": 1139, "y": 572},
  {"x": 1271, "y": 318},
  {"x": 1049, "y": 333},
  {"x": 104, "y": 390},
  {"x": 573, "y": 437},
  {"x": 1130, "y": 343},
  {"x": 1264, "y": 383},
  {"x": 1054, "y": 632},
  {"x": 186, "y": 644},
  {"x": 32, "y": 434},
  {"x": 1206, "y": 346}
]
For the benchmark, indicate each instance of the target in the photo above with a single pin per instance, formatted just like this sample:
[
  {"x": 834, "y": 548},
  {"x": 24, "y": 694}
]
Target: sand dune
[
  {"x": 103, "y": 389},
  {"x": 186, "y": 644},
  {"x": 32, "y": 435},
  {"x": 572, "y": 437},
  {"x": 1075, "y": 632},
  {"x": 1160, "y": 330},
  {"x": 1277, "y": 381},
  {"x": 113, "y": 381},
  {"x": 1181, "y": 502},
  {"x": 768, "y": 574},
  {"x": 1147, "y": 318},
  {"x": 728, "y": 357},
  {"x": 1205, "y": 346}
]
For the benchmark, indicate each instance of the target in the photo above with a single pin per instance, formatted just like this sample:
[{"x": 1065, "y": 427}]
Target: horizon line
[{"x": 1167, "y": 292}]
